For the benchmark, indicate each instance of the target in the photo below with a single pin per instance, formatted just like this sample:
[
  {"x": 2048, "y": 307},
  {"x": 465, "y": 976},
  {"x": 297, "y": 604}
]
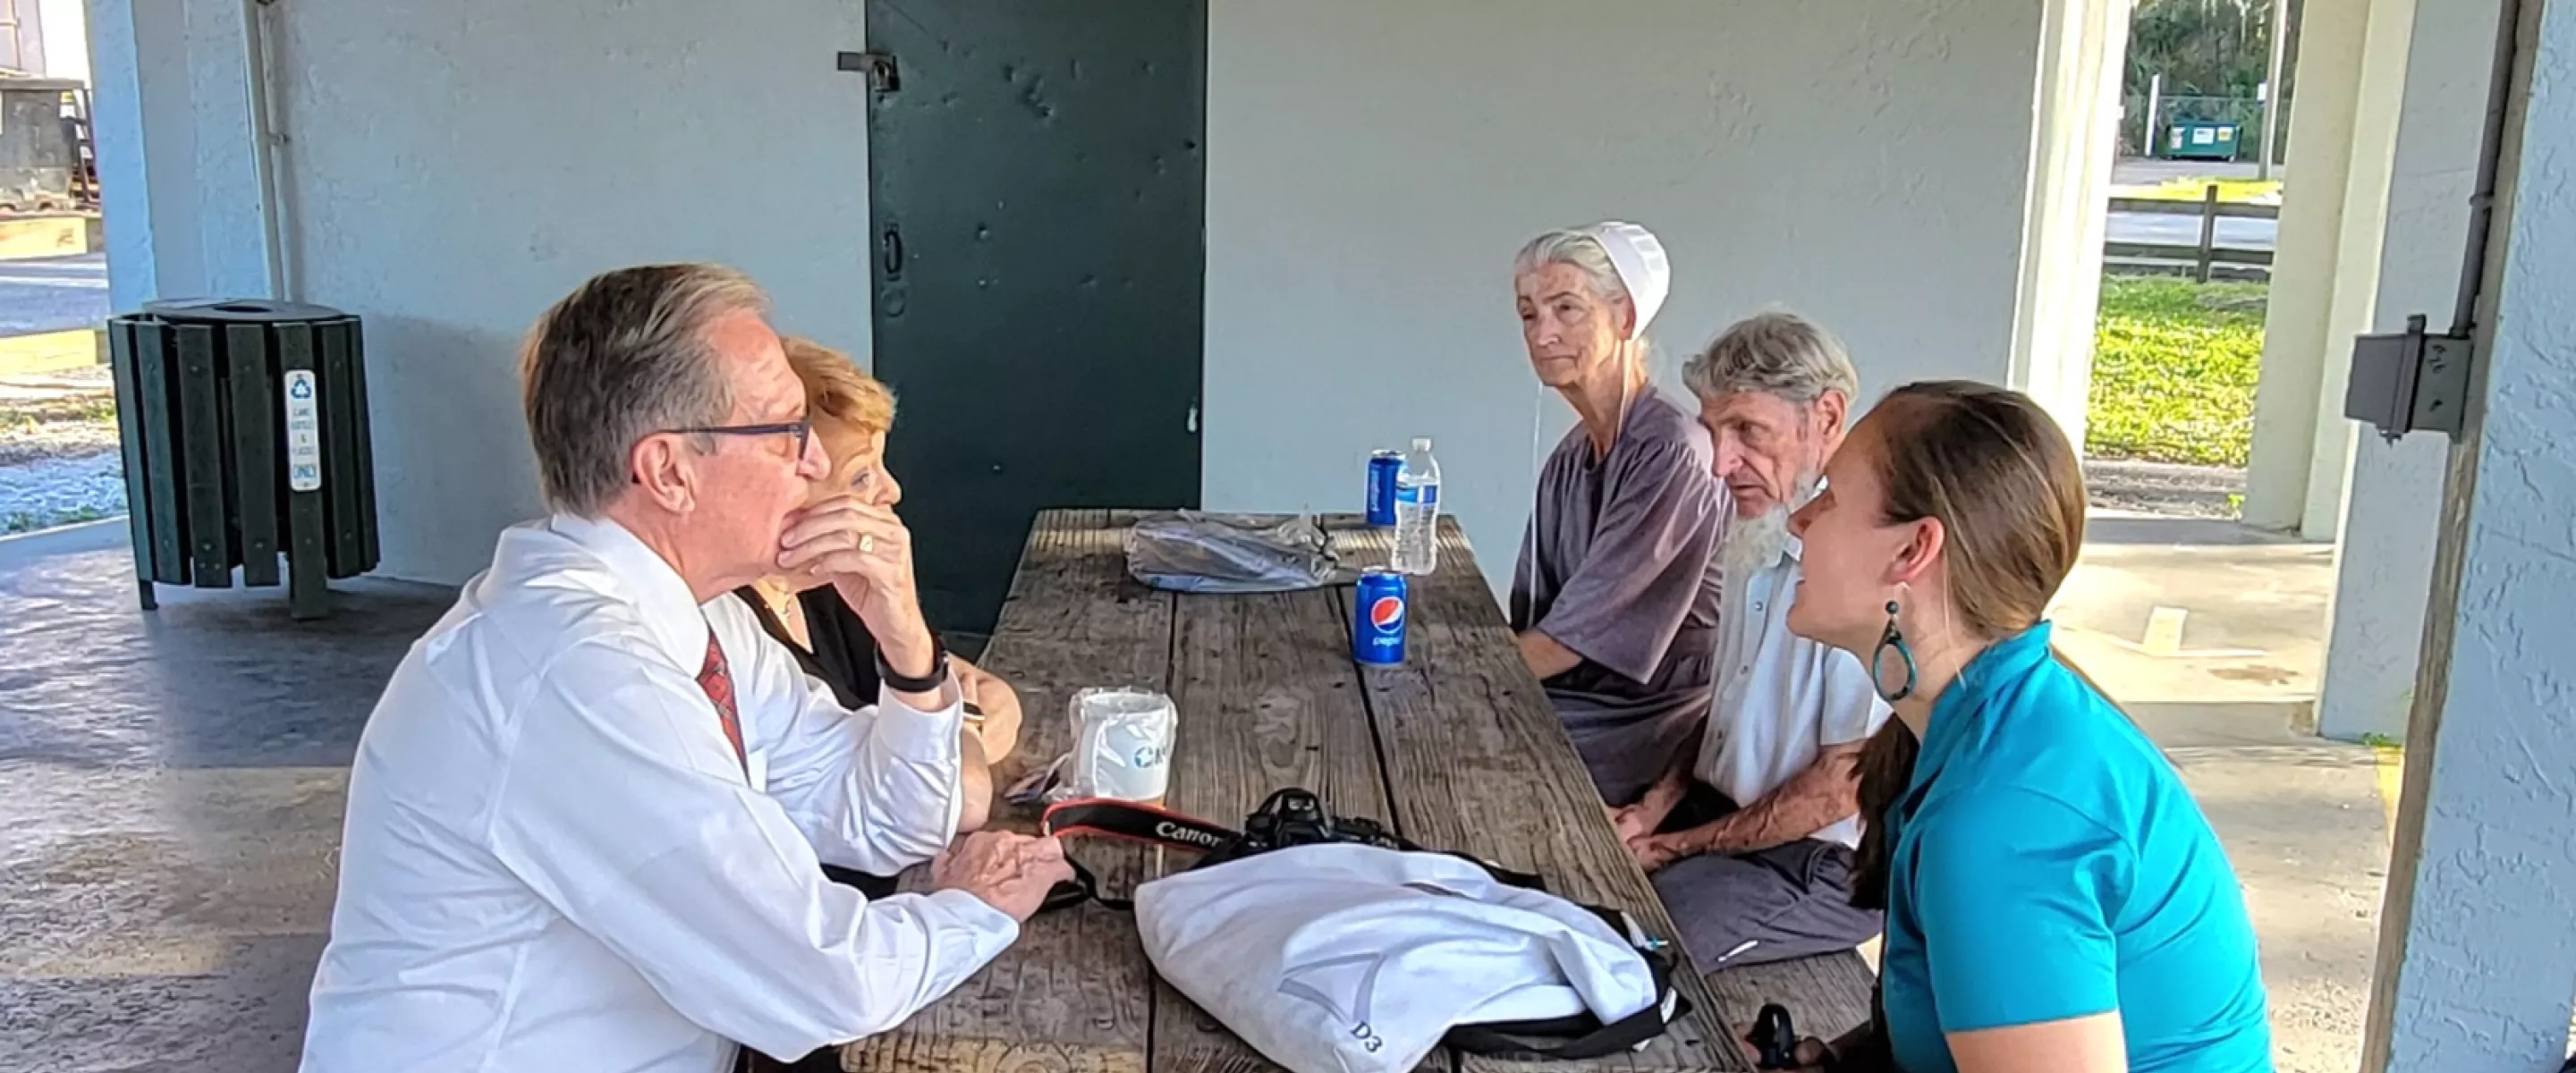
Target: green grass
[
  {"x": 2173, "y": 370},
  {"x": 26, "y": 522},
  {"x": 25, "y": 416},
  {"x": 2194, "y": 189}
]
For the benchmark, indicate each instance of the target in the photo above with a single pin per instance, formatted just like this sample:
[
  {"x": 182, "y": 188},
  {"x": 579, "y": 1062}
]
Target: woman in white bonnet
[{"x": 1615, "y": 598}]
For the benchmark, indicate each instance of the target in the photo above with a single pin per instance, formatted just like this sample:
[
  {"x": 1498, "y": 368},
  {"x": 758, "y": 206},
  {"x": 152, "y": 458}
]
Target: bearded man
[{"x": 1750, "y": 836}]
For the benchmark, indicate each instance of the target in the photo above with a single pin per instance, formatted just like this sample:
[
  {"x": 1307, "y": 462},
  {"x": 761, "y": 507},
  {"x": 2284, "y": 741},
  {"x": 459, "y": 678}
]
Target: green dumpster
[
  {"x": 244, "y": 426},
  {"x": 2201, "y": 139}
]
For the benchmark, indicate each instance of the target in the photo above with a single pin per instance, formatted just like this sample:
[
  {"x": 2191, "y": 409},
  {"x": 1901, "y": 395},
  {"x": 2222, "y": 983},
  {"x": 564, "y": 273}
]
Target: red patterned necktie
[{"x": 717, "y": 680}]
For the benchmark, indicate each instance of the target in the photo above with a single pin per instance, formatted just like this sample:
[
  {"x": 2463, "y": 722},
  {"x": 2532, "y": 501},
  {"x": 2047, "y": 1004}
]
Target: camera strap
[
  {"x": 1290, "y": 817},
  {"x": 1132, "y": 822}
]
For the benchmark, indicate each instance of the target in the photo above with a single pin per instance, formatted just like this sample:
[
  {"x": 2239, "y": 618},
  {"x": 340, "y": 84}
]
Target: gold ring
[{"x": 867, "y": 543}]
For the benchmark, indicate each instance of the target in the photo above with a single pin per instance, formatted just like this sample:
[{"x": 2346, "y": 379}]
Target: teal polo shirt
[{"x": 2049, "y": 864}]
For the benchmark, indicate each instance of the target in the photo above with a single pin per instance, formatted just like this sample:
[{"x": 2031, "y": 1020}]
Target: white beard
[{"x": 1757, "y": 542}]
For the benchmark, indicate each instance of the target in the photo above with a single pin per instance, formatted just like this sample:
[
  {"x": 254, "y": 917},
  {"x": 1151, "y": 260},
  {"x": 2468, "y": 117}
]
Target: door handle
[{"x": 890, "y": 253}]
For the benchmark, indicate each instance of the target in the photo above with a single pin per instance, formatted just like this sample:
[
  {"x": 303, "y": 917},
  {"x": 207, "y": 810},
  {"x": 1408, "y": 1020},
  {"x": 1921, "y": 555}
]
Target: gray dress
[{"x": 1619, "y": 566}]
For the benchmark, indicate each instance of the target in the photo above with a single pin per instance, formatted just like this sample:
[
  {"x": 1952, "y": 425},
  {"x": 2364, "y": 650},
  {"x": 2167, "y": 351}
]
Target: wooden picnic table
[{"x": 1457, "y": 748}]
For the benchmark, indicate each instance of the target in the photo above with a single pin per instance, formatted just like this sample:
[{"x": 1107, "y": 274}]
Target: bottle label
[{"x": 1420, "y": 495}]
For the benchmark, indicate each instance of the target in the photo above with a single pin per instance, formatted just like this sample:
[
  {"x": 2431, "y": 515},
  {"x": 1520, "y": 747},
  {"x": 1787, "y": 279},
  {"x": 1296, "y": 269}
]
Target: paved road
[
  {"x": 54, "y": 294},
  {"x": 2185, "y": 230},
  {"x": 2132, "y": 171}
]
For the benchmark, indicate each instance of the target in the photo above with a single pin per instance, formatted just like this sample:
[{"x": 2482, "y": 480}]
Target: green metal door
[{"x": 1038, "y": 193}]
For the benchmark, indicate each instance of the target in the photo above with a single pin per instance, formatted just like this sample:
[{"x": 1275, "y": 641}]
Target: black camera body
[{"x": 1296, "y": 817}]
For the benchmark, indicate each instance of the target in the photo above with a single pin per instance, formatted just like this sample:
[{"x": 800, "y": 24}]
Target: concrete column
[
  {"x": 2077, "y": 141},
  {"x": 2390, "y": 524},
  {"x": 116, "y": 128},
  {"x": 178, "y": 167},
  {"x": 2477, "y": 960},
  {"x": 2376, "y": 110},
  {"x": 2343, "y": 132}
]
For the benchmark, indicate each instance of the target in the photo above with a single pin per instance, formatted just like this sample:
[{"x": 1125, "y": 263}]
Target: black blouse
[{"x": 844, "y": 654}]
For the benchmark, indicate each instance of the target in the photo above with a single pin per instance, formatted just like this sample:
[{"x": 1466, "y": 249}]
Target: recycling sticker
[{"x": 303, "y": 433}]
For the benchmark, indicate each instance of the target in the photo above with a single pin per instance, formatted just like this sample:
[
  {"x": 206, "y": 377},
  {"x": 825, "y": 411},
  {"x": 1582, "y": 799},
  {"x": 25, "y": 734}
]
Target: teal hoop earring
[{"x": 1892, "y": 639}]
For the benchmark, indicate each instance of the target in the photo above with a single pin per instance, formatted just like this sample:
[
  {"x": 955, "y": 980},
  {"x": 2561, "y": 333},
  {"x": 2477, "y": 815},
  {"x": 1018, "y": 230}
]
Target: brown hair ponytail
[{"x": 2003, "y": 481}]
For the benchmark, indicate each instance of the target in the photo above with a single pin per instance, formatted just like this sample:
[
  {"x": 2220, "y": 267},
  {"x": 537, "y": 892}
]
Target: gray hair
[
  {"x": 1580, "y": 250},
  {"x": 624, "y": 356},
  {"x": 1779, "y": 354},
  {"x": 1600, "y": 276}
]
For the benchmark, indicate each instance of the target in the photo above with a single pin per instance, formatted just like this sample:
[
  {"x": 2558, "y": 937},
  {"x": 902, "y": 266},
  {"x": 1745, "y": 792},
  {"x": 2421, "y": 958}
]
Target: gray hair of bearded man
[{"x": 1777, "y": 353}]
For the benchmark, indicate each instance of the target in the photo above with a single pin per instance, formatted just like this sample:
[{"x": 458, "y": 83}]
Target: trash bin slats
[
  {"x": 215, "y": 440},
  {"x": 255, "y": 449}
]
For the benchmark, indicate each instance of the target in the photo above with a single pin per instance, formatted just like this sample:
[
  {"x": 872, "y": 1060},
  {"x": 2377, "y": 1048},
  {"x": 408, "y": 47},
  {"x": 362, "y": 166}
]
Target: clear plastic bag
[{"x": 1193, "y": 551}]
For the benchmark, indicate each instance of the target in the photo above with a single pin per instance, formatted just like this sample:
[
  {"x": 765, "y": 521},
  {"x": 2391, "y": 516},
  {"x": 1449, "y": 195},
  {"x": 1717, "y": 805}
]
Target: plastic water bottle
[{"x": 1417, "y": 511}]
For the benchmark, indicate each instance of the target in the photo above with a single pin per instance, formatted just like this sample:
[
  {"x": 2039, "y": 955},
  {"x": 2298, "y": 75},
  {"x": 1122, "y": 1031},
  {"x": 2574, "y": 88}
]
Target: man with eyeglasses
[{"x": 587, "y": 818}]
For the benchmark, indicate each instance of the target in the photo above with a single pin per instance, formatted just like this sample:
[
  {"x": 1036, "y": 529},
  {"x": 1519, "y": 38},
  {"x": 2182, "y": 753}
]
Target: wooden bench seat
[{"x": 1826, "y": 995}]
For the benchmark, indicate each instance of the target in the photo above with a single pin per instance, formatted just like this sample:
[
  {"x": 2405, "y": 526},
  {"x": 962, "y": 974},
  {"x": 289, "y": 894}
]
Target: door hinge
[
  {"x": 878, "y": 66},
  {"x": 2410, "y": 381}
]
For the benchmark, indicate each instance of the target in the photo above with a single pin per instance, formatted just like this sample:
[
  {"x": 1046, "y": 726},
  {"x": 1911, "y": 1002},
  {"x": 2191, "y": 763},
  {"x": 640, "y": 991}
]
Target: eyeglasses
[{"x": 803, "y": 430}]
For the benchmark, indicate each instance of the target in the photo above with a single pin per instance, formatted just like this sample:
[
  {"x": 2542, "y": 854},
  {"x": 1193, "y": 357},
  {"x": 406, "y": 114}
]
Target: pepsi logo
[{"x": 1387, "y": 613}]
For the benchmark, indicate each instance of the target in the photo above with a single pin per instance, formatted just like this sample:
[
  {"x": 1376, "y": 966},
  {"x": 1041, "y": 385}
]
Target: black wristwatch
[{"x": 930, "y": 683}]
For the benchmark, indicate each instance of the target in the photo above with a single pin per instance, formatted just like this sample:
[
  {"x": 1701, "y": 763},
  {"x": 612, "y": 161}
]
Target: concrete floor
[
  {"x": 170, "y": 796},
  {"x": 171, "y": 784},
  {"x": 2230, "y": 698}
]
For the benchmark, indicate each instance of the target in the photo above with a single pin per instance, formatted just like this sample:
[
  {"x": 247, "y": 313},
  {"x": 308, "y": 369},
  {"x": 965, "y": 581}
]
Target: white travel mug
[{"x": 1122, "y": 743}]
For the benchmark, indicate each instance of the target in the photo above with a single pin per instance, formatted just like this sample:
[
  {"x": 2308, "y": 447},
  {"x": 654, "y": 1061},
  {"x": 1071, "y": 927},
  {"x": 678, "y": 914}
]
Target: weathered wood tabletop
[{"x": 1457, "y": 748}]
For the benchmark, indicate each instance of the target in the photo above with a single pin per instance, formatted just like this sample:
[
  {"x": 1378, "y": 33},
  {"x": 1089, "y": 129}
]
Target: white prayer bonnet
[{"x": 1638, "y": 256}]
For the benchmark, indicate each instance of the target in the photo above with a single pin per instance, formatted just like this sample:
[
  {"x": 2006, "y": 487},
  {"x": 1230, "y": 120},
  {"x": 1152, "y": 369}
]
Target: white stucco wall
[
  {"x": 2390, "y": 527},
  {"x": 455, "y": 167},
  {"x": 449, "y": 169},
  {"x": 1372, "y": 167},
  {"x": 2477, "y": 947}
]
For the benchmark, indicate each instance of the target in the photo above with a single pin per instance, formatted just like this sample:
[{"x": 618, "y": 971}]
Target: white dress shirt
[
  {"x": 1780, "y": 698},
  {"x": 554, "y": 861}
]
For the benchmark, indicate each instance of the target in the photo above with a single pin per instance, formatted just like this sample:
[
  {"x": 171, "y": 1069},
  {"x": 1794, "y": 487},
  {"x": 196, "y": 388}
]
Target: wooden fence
[{"x": 2199, "y": 259}]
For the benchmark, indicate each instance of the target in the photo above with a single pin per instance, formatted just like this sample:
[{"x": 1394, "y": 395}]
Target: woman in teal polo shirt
[{"x": 2055, "y": 900}]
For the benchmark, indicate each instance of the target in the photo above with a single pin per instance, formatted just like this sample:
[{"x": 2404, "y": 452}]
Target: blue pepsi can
[
  {"x": 1377, "y": 623},
  {"x": 1381, "y": 486}
]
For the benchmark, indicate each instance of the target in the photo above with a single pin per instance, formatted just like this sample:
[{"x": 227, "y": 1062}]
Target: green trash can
[
  {"x": 2201, "y": 139},
  {"x": 244, "y": 426}
]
